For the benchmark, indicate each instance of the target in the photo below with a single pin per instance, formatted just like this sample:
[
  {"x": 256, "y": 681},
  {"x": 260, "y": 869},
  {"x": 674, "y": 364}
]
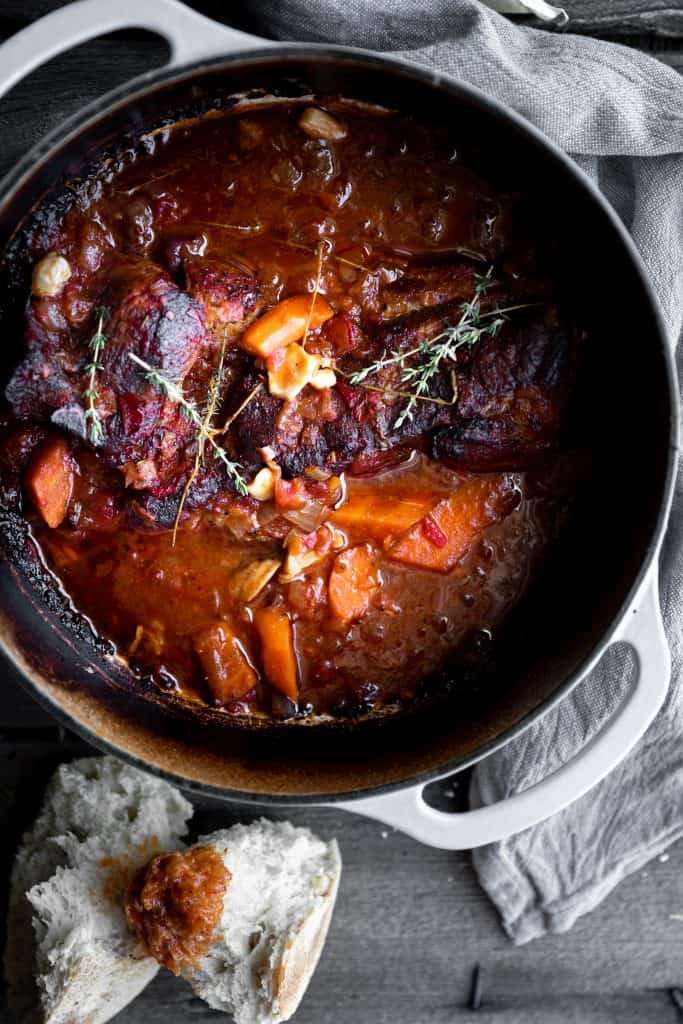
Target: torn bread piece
[
  {"x": 243, "y": 915},
  {"x": 70, "y": 956}
]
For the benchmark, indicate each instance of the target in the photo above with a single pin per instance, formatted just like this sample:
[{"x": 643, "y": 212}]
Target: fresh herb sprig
[
  {"x": 471, "y": 327},
  {"x": 90, "y": 395},
  {"x": 205, "y": 434},
  {"x": 190, "y": 411}
]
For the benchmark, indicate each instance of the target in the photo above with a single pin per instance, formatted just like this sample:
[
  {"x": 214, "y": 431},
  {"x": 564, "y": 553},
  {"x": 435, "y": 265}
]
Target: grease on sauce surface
[{"x": 370, "y": 619}]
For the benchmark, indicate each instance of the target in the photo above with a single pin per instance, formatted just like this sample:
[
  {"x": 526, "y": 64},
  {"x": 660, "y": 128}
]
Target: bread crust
[
  {"x": 69, "y": 958},
  {"x": 302, "y": 952}
]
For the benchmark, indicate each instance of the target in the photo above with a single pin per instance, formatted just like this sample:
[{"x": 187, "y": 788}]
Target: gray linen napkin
[{"x": 620, "y": 115}]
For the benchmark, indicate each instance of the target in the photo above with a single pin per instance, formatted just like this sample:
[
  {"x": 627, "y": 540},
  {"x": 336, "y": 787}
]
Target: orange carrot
[
  {"x": 285, "y": 323},
  {"x": 380, "y": 514},
  {"x": 275, "y": 632},
  {"x": 354, "y": 581},
  {"x": 228, "y": 672},
  {"x": 445, "y": 535},
  {"x": 50, "y": 480}
]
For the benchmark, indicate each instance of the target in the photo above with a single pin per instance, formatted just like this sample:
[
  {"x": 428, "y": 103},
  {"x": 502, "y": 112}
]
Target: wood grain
[{"x": 411, "y": 923}]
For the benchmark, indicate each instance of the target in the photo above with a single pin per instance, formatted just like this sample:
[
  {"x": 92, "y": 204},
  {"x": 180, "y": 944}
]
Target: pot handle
[
  {"x": 407, "y": 811},
  {"x": 190, "y": 35}
]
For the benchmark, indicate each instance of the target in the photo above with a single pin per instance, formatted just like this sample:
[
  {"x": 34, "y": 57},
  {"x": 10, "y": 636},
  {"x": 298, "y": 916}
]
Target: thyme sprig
[
  {"x": 238, "y": 411},
  {"x": 205, "y": 434},
  {"x": 471, "y": 327},
  {"x": 189, "y": 410},
  {"x": 332, "y": 255},
  {"x": 323, "y": 248},
  {"x": 90, "y": 395}
]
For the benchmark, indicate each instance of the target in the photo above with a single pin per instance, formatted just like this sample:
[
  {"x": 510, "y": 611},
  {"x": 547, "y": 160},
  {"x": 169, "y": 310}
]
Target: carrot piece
[
  {"x": 274, "y": 628},
  {"x": 284, "y": 324},
  {"x": 224, "y": 662},
  {"x": 380, "y": 514},
  {"x": 50, "y": 479},
  {"x": 354, "y": 581},
  {"x": 445, "y": 534}
]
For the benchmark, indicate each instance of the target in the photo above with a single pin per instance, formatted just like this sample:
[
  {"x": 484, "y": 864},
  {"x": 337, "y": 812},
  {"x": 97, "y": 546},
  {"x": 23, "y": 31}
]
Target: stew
[{"x": 293, "y": 423}]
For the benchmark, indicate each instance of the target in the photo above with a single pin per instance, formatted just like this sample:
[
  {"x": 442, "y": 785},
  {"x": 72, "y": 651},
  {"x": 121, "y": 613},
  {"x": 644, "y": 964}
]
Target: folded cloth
[{"x": 620, "y": 115}]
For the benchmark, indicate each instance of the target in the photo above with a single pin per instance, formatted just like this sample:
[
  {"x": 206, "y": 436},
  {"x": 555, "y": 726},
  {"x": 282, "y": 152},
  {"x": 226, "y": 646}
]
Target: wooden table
[{"x": 412, "y": 924}]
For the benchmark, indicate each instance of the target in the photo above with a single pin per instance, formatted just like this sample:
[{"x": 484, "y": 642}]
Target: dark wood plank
[
  {"x": 67, "y": 83},
  {"x": 411, "y": 925}
]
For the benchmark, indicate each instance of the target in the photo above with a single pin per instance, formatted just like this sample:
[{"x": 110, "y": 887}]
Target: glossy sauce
[{"x": 257, "y": 192}]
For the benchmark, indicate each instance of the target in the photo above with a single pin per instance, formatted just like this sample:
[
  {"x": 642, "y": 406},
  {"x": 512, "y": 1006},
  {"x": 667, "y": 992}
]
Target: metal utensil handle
[
  {"x": 549, "y": 13},
  {"x": 407, "y": 810},
  {"x": 189, "y": 35}
]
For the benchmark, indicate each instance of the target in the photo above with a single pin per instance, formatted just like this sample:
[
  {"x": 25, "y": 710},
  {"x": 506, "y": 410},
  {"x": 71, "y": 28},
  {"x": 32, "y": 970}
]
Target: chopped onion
[
  {"x": 317, "y": 473},
  {"x": 307, "y": 518},
  {"x": 240, "y": 522}
]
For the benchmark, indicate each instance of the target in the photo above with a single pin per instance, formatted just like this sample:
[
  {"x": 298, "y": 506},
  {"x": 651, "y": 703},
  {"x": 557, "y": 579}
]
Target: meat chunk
[
  {"x": 317, "y": 429},
  {"x": 426, "y": 286},
  {"x": 229, "y": 297},
  {"x": 511, "y": 391},
  {"x": 142, "y": 430},
  {"x": 45, "y": 380},
  {"x": 512, "y": 399},
  {"x": 145, "y": 431},
  {"x": 154, "y": 319}
]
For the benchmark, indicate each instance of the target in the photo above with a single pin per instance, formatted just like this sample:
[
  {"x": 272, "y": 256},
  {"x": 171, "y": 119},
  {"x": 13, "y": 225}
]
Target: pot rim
[{"x": 135, "y": 89}]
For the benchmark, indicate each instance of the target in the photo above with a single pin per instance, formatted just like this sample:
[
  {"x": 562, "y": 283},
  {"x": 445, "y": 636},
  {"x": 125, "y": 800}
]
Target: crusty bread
[
  {"x": 100, "y": 820},
  {"x": 276, "y": 913}
]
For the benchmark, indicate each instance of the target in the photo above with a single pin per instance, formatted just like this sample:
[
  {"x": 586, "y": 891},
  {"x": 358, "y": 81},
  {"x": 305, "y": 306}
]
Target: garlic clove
[
  {"x": 318, "y": 124},
  {"x": 290, "y": 371},
  {"x": 262, "y": 487},
  {"x": 50, "y": 275}
]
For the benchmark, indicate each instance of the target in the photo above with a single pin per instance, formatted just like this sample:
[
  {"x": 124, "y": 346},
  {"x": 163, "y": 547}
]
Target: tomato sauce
[{"x": 352, "y": 574}]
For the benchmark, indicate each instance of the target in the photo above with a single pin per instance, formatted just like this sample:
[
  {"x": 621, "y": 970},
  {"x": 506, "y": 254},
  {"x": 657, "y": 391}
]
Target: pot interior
[{"x": 567, "y": 617}]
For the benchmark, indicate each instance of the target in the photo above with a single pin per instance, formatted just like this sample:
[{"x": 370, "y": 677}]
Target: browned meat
[
  {"x": 511, "y": 387},
  {"x": 230, "y": 298},
  {"x": 511, "y": 392},
  {"x": 144, "y": 431},
  {"x": 512, "y": 397},
  {"x": 319, "y": 429},
  {"x": 44, "y": 380},
  {"x": 426, "y": 286}
]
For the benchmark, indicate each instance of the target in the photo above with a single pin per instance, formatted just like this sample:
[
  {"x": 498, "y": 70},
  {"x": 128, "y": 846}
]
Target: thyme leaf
[
  {"x": 416, "y": 380},
  {"x": 189, "y": 409},
  {"x": 205, "y": 434},
  {"x": 90, "y": 395},
  {"x": 322, "y": 248}
]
